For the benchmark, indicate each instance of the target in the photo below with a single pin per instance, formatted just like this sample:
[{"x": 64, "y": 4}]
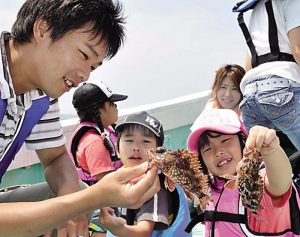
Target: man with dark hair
[{"x": 54, "y": 45}]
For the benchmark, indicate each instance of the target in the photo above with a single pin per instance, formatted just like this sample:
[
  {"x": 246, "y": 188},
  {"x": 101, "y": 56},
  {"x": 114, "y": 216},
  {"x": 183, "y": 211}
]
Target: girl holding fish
[{"x": 247, "y": 200}]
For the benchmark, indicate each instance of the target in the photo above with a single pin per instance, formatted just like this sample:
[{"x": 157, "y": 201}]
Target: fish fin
[
  {"x": 189, "y": 196},
  {"x": 169, "y": 184},
  {"x": 228, "y": 176},
  {"x": 231, "y": 184}
]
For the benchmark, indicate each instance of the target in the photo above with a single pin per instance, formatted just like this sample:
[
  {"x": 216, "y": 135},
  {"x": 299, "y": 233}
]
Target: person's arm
[
  {"x": 142, "y": 228},
  {"x": 60, "y": 173},
  {"x": 248, "y": 64},
  {"x": 115, "y": 189},
  {"x": 145, "y": 221},
  {"x": 277, "y": 163},
  {"x": 61, "y": 176},
  {"x": 278, "y": 168},
  {"x": 294, "y": 38},
  {"x": 118, "y": 226}
]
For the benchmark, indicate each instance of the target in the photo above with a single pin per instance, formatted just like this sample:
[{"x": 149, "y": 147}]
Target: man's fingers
[
  {"x": 128, "y": 174},
  {"x": 147, "y": 187}
]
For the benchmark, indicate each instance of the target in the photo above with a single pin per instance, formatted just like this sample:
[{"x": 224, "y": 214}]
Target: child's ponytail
[{"x": 104, "y": 135}]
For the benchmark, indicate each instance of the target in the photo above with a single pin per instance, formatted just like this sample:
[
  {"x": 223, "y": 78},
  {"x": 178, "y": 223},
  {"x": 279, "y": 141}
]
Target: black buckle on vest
[{"x": 214, "y": 216}]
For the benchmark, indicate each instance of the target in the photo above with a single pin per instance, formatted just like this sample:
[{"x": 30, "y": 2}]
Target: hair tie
[{"x": 104, "y": 135}]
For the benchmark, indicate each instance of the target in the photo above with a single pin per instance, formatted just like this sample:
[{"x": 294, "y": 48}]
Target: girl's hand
[
  {"x": 275, "y": 159},
  {"x": 264, "y": 139}
]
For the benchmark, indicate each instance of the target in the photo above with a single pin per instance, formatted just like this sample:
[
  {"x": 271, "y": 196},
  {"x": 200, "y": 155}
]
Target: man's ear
[{"x": 40, "y": 29}]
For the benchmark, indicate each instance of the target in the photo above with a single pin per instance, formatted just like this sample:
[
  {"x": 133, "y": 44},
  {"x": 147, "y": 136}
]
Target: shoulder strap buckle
[{"x": 244, "y": 5}]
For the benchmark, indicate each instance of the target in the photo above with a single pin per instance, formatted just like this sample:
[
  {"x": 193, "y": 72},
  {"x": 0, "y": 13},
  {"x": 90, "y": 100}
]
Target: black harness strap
[
  {"x": 295, "y": 214},
  {"x": 224, "y": 216},
  {"x": 130, "y": 216},
  {"x": 275, "y": 54},
  {"x": 273, "y": 34},
  {"x": 248, "y": 38},
  {"x": 194, "y": 221},
  {"x": 75, "y": 142},
  {"x": 214, "y": 216}
]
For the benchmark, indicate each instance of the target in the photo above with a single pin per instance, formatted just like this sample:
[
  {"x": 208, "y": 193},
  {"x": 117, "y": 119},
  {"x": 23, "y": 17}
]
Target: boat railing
[{"x": 174, "y": 114}]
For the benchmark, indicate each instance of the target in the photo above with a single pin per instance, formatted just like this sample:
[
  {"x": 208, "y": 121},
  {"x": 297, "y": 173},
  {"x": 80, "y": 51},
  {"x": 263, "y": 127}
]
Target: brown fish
[
  {"x": 250, "y": 183},
  {"x": 182, "y": 167}
]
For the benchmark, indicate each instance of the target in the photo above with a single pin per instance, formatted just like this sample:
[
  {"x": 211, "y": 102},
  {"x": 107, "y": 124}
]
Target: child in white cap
[{"x": 92, "y": 143}]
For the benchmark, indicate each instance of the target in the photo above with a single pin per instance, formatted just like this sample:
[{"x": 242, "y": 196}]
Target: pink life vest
[
  {"x": 85, "y": 175},
  {"x": 226, "y": 216}
]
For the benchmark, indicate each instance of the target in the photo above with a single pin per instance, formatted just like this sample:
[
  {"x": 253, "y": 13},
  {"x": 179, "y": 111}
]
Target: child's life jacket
[
  {"x": 275, "y": 54},
  {"x": 180, "y": 215},
  {"x": 82, "y": 128},
  {"x": 240, "y": 216},
  {"x": 28, "y": 120}
]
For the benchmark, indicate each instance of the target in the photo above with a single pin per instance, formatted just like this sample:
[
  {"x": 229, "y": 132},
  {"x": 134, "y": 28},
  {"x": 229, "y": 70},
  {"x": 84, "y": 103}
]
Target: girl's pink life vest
[
  {"x": 85, "y": 175},
  {"x": 228, "y": 217}
]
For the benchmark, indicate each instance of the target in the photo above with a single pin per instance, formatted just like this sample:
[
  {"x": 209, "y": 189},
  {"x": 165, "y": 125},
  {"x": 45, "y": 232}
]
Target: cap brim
[
  {"x": 119, "y": 126},
  {"x": 117, "y": 97},
  {"x": 192, "y": 141}
]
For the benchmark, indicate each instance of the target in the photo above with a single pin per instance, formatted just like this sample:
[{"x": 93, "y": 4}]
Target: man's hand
[{"x": 122, "y": 188}]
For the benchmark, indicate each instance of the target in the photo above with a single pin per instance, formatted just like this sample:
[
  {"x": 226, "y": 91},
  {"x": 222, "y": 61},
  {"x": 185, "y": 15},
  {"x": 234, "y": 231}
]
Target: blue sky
[{"x": 172, "y": 48}]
